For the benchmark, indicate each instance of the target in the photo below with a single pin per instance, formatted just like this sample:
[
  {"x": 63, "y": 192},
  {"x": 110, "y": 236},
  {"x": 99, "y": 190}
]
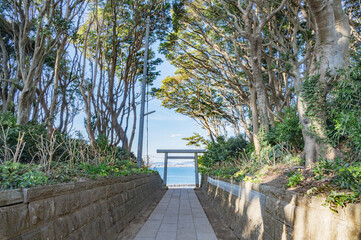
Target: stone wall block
[
  {"x": 37, "y": 193},
  {"x": 353, "y": 214},
  {"x": 124, "y": 197},
  {"x": 120, "y": 187},
  {"x": 147, "y": 179},
  {"x": 71, "y": 224},
  {"x": 75, "y": 236},
  {"x": 41, "y": 211},
  {"x": 282, "y": 214},
  {"x": 63, "y": 204},
  {"x": 82, "y": 185},
  {"x": 138, "y": 182},
  {"x": 131, "y": 193},
  {"x": 321, "y": 217},
  {"x": 91, "y": 231},
  {"x": 76, "y": 201},
  {"x": 98, "y": 193},
  {"x": 272, "y": 191},
  {"x": 84, "y": 210},
  {"x": 353, "y": 232},
  {"x": 280, "y": 210},
  {"x": 110, "y": 191},
  {"x": 254, "y": 215},
  {"x": 281, "y": 230},
  {"x": 99, "y": 208},
  {"x": 114, "y": 202},
  {"x": 36, "y": 212},
  {"x": 76, "y": 221},
  {"x": 111, "y": 217},
  {"x": 10, "y": 197},
  {"x": 48, "y": 232},
  {"x": 32, "y": 235},
  {"x": 14, "y": 220},
  {"x": 4, "y": 226},
  {"x": 268, "y": 224},
  {"x": 90, "y": 214},
  {"x": 85, "y": 197},
  {"x": 61, "y": 228},
  {"x": 61, "y": 189},
  {"x": 130, "y": 185},
  {"x": 118, "y": 199},
  {"x": 266, "y": 236},
  {"x": 80, "y": 217}
]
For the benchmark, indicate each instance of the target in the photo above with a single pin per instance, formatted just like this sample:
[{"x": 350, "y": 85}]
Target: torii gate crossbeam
[{"x": 166, "y": 157}]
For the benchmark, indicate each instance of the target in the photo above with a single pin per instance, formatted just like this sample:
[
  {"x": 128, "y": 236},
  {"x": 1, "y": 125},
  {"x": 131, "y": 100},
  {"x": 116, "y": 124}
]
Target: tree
[
  {"x": 212, "y": 40},
  {"x": 330, "y": 55},
  {"x": 37, "y": 26},
  {"x": 111, "y": 43},
  {"x": 196, "y": 99}
]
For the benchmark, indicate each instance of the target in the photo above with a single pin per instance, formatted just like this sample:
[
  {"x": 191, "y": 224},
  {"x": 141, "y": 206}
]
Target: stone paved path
[{"x": 178, "y": 216}]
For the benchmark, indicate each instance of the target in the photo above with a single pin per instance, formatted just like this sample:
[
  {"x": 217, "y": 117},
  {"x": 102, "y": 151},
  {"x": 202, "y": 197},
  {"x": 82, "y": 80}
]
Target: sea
[{"x": 178, "y": 175}]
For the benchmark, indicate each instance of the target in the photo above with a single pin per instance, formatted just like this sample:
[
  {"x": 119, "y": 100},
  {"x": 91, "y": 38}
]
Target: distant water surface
[{"x": 178, "y": 175}]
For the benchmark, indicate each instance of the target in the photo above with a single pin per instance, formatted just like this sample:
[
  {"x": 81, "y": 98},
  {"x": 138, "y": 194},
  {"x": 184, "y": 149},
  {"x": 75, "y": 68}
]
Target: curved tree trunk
[
  {"x": 253, "y": 104},
  {"x": 262, "y": 101},
  {"x": 333, "y": 33}
]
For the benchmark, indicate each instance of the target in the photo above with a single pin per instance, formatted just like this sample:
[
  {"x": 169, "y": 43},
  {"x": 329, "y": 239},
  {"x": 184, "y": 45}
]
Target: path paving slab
[{"x": 178, "y": 216}]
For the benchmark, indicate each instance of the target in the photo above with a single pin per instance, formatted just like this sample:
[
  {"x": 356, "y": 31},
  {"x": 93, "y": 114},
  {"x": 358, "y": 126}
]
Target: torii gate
[{"x": 195, "y": 157}]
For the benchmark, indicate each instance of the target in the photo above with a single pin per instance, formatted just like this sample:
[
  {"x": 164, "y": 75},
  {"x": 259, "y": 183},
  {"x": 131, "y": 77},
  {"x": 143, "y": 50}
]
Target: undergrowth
[
  {"x": 19, "y": 175},
  {"x": 29, "y": 157},
  {"x": 339, "y": 181}
]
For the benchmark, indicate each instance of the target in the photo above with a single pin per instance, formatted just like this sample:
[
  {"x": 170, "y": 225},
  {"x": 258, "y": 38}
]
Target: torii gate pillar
[{"x": 166, "y": 157}]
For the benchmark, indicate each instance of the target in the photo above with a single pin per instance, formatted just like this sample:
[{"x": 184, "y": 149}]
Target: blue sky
[{"x": 166, "y": 127}]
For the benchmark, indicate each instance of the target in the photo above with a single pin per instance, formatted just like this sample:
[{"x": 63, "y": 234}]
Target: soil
[{"x": 277, "y": 177}]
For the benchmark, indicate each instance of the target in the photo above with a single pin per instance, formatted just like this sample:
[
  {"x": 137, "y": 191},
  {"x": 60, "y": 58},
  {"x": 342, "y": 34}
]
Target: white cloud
[
  {"x": 175, "y": 135},
  {"x": 168, "y": 117}
]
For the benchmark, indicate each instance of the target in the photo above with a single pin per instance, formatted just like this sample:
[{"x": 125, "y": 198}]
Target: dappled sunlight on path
[{"x": 179, "y": 215}]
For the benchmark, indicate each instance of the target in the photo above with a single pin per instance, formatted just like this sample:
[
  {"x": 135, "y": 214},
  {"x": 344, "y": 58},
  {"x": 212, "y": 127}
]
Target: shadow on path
[
  {"x": 136, "y": 224},
  {"x": 222, "y": 231}
]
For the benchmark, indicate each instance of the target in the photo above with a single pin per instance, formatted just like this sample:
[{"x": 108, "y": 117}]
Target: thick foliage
[
  {"x": 343, "y": 175},
  {"x": 344, "y": 107},
  {"x": 18, "y": 175},
  {"x": 9, "y": 132},
  {"x": 287, "y": 131},
  {"x": 38, "y": 148},
  {"x": 295, "y": 178},
  {"x": 224, "y": 150}
]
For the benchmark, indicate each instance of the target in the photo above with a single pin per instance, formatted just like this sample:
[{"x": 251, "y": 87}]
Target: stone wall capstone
[
  {"x": 258, "y": 211},
  {"x": 98, "y": 209}
]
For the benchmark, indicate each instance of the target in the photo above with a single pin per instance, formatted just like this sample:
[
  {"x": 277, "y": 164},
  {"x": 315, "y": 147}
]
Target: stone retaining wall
[
  {"x": 83, "y": 210},
  {"x": 256, "y": 211}
]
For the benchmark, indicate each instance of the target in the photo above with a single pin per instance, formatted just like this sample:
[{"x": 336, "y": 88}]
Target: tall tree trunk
[
  {"x": 262, "y": 101},
  {"x": 253, "y": 104},
  {"x": 333, "y": 33},
  {"x": 51, "y": 118}
]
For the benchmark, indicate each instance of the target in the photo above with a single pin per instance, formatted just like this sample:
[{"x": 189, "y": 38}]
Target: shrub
[
  {"x": 224, "y": 150},
  {"x": 18, "y": 175},
  {"x": 287, "y": 131},
  {"x": 344, "y": 108},
  {"x": 344, "y": 175},
  {"x": 32, "y": 133},
  {"x": 339, "y": 199},
  {"x": 349, "y": 177},
  {"x": 295, "y": 178}
]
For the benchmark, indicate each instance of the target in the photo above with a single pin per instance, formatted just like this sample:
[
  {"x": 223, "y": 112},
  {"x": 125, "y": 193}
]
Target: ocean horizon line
[{"x": 177, "y": 166}]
